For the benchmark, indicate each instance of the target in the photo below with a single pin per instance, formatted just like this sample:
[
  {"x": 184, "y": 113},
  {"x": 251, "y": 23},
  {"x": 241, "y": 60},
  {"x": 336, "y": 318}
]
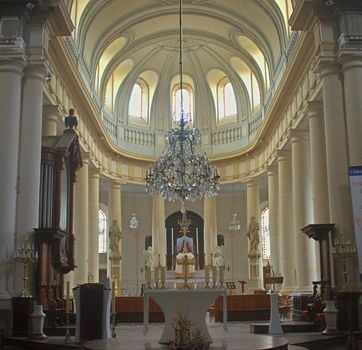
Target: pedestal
[
  {"x": 37, "y": 321},
  {"x": 330, "y": 315},
  {"x": 275, "y": 327},
  {"x": 90, "y": 331},
  {"x": 22, "y": 308}
]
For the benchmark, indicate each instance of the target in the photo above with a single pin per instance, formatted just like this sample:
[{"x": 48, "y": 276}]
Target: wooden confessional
[{"x": 60, "y": 160}]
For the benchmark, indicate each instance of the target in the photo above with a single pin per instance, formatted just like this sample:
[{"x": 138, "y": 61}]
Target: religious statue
[
  {"x": 219, "y": 257},
  {"x": 148, "y": 256},
  {"x": 253, "y": 235},
  {"x": 71, "y": 120},
  {"x": 114, "y": 236},
  {"x": 185, "y": 256}
]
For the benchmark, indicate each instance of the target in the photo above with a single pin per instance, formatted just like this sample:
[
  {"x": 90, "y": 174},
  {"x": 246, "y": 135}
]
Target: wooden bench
[
  {"x": 244, "y": 308},
  {"x": 130, "y": 310}
]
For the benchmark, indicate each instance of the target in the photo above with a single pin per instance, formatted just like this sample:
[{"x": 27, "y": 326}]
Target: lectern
[{"x": 93, "y": 312}]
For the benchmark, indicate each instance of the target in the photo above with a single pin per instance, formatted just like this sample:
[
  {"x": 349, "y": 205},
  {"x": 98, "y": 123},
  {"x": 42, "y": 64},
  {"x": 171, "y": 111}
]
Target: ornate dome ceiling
[{"x": 122, "y": 43}]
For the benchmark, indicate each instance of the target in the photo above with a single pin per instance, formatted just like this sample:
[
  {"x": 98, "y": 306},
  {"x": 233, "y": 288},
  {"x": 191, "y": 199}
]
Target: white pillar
[
  {"x": 252, "y": 210},
  {"x": 81, "y": 223},
  {"x": 30, "y": 151},
  {"x": 273, "y": 218},
  {"x": 158, "y": 230},
  {"x": 50, "y": 120},
  {"x": 352, "y": 72},
  {"x": 210, "y": 228},
  {"x": 10, "y": 101},
  {"x": 93, "y": 241},
  {"x": 304, "y": 247},
  {"x": 318, "y": 167},
  {"x": 115, "y": 213},
  {"x": 27, "y": 213},
  {"x": 286, "y": 247},
  {"x": 340, "y": 203}
]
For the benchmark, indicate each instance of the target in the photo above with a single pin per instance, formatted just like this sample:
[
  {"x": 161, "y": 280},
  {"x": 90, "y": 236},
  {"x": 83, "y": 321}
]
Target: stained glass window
[
  {"x": 265, "y": 234},
  {"x": 102, "y": 232}
]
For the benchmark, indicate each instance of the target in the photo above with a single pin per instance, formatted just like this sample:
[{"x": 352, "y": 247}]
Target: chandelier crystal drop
[
  {"x": 133, "y": 223},
  {"x": 234, "y": 224},
  {"x": 181, "y": 173}
]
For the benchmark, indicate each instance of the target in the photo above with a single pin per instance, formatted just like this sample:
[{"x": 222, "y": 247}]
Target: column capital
[
  {"x": 327, "y": 66},
  {"x": 350, "y": 60},
  {"x": 296, "y": 135},
  {"x": 51, "y": 111},
  {"x": 86, "y": 157},
  {"x": 116, "y": 184},
  {"x": 13, "y": 66},
  {"x": 282, "y": 154},
  {"x": 94, "y": 172},
  {"x": 271, "y": 169},
  {"x": 314, "y": 109}
]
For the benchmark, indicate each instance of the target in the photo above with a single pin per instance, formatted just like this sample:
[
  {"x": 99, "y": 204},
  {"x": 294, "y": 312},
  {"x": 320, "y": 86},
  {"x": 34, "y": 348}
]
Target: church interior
[{"x": 206, "y": 148}]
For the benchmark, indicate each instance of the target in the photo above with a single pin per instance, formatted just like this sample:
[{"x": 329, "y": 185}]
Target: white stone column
[
  {"x": 318, "y": 167},
  {"x": 273, "y": 217},
  {"x": 252, "y": 209},
  {"x": 11, "y": 73},
  {"x": 352, "y": 72},
  {"x": 115, "y": 213},
  {"x": 50, "y": 120},
  {"x": 81, "y": 225},
  {"x": 304, "y": 247},
  {"x": 93, "y": 241},
  {"x": 30, "y": 151},
  {"x": 27, "y": 213},
  {"x": 340, "y": 203},
  {"x": 158, "y": 230},
  {"x": 286, "y": 247},
  {"x": 210, "y": 228}
]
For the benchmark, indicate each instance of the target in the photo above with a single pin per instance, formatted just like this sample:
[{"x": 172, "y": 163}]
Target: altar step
[{"x": 287, "y": 326}]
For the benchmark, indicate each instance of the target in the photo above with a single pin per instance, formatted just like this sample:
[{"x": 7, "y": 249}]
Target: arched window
[
  {"x": 229, "y": 100},
  {"x": 187, "y": 105},
  {"x": 265, "y": 234},
  {"x": 102, "y": 232},
  {"x": 135, "y": 102}
]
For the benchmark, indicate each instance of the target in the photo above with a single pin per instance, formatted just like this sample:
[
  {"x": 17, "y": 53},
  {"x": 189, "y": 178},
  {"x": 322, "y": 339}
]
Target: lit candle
[
  {"x": 197, "y": 241},
  {"x": 194, "y": 285},
  {"x": 174, "y": 285},
  {"x": 113, "y": 297},
  {"x": 67, "y": 298}
]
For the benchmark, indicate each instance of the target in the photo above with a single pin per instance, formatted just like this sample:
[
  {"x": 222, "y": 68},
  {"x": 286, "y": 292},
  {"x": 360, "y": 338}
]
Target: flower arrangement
[
  {"x": 187, "y": 336},
  {"x": 313, "y": 308}
]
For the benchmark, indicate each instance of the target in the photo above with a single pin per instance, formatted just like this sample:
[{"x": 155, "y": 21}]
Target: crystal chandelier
[
  {"x": 133, "y": 223},
  {"x": 181, "y": 173},
  {"x": 234, "y": 224}
]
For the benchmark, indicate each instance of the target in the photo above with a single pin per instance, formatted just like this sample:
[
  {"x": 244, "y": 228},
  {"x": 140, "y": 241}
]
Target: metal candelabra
[{"x": 25, "y": 254}]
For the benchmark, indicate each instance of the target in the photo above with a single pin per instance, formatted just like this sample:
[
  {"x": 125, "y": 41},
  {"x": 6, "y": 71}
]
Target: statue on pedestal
[
  {"x": 114, "y": 237},
  {"x": 253, "y": 235},
  {"x": 219, "y": 259}
]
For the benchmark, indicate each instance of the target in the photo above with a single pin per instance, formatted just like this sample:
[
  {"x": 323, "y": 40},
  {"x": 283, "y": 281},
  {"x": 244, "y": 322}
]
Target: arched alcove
[{"x": 196, "y": 227}]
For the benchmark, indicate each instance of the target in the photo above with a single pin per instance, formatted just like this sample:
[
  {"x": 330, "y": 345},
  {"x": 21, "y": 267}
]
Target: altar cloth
[{"x": 193, "y": 304}]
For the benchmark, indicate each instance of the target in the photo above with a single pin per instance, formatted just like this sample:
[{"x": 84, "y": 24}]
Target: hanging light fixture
[
  {"x": 234, "y": 224},
  {"x": 181, "y": 173},
  {"x": 133, "y": 223}
]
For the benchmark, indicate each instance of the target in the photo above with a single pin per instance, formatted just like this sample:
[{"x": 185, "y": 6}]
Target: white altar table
[{"x": 192, "y": 303}]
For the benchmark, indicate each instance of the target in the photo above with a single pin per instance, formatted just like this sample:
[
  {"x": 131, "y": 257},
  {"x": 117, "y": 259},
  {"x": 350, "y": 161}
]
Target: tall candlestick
[
  {"x": 221, "y": 274},
  {"x": 156, "y": 275},
  {"x": 113, "y": 297},
  {"x": 163, "y": 274},
  {"x": 158, "y": 241},
  {"x": 148, "y": 276},
  {"x": 214, "y": 274},
  {"x": 197, "y": 241},
  {"x": 207, "y": 274},
  {"x": 172, "y": 244},
  {"x": 67, "y": 298}
]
